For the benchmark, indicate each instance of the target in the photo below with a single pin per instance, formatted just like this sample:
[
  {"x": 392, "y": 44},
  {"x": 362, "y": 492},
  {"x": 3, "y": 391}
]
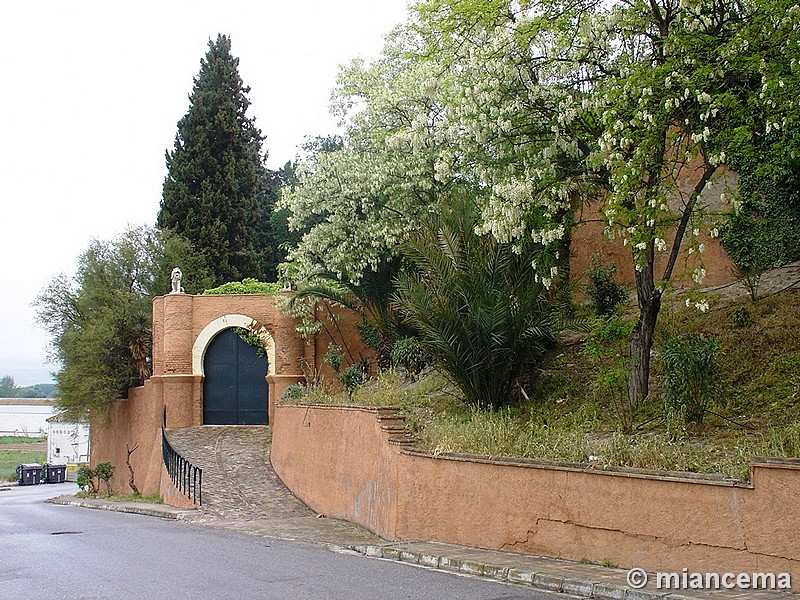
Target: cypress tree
[{"x": 216, "y": 171}]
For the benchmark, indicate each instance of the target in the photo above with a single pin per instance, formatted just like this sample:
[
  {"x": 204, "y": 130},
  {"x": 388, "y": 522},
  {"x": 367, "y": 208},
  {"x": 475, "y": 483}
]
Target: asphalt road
[{"x": 64, "y": 552}]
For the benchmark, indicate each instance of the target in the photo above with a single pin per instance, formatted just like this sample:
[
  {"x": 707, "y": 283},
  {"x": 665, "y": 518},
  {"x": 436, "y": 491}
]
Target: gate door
[{"x": 234, "y": 389}]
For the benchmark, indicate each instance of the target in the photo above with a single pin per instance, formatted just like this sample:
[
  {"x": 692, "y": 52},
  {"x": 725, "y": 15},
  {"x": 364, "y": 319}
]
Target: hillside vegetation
[{"x": 572, "y": 410}]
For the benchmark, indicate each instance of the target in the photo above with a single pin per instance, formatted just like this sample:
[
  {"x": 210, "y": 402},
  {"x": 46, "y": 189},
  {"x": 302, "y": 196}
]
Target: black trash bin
[
  {"x": 55, "y": 473},
  {"x": 29, "y": 474}
]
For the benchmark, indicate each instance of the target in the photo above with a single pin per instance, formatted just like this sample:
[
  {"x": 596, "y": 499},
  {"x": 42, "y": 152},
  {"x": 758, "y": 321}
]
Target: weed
[{"x": 608, "y": 564}]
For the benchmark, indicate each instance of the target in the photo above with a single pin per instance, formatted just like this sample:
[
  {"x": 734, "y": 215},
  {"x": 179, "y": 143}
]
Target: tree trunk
[{"x": 642, "y": 338}]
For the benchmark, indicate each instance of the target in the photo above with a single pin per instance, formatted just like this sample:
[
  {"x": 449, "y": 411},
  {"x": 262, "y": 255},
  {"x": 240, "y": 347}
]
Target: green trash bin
[{"x": 29, "y": 474}]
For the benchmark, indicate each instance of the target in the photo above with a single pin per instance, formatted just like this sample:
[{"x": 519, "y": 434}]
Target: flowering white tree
[
  {"x": 357, "y": 203},
  {"x": 631, "y": 102},
  {"x": 394, "y": 166},
  {"x": 534, "y": 108}
]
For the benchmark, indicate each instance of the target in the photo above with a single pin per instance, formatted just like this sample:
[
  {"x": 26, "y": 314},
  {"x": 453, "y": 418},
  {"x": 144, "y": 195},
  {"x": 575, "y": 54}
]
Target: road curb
[
  {"x": 546, "y": 582},
  {"x": 161, "y": 511}
]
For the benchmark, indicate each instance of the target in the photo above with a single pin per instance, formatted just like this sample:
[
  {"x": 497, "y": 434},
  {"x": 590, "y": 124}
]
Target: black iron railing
[{"x": 184, "y": 475}]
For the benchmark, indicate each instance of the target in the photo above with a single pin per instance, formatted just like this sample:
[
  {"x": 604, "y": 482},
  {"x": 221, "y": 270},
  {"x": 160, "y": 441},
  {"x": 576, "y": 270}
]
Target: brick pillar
[
  {"x": 175, "y": 387},
  {"x": 181, "y": 395}
]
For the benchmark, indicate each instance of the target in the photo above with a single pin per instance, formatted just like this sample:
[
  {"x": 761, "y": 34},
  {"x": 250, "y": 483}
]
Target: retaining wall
[
  {"x": 136, "y": 420},
  {"x": 183, "y": 326},
  {"x": 354, "y": 464}
]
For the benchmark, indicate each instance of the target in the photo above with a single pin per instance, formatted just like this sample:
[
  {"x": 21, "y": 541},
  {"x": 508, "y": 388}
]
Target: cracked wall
[{"x": 343, "y": 463}]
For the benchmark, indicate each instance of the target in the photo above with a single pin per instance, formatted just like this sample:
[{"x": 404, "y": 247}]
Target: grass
[
  {"x": 572, "y": 416},
  {"x": 11, "y": 459},
  {"x": 117, "y": 497},
  {"x": 13, "y": 439}
]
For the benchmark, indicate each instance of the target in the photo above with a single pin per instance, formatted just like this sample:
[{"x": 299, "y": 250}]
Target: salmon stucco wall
[
  {"x": 589, "y": 239},
  {"x": 341, "y": 462},
  {"x": 133, "y": 421},
  {"x": 183, "y": 327}
]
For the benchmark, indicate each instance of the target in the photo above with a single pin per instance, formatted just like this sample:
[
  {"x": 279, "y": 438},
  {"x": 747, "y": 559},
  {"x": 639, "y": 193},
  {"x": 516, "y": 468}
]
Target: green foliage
[
  {"x": 9, "y": 389},
  {"x": 252, "y": 339},
  {"x": 369, "y": 334},
  {"x": 409, "y": 354},
  {"x": 607, "y": 344},
  {"x": 266, "y": 240},
  {"x": 334, "y": 357},
  {"x": 563, "y": 422},
  {"x": 741, "y": 317},
  {"x": 13, "y": 439},
  {"x": 89, "y": 479},
  {"x": 613, "y": 103},
  {"x": 138, "y": 498},
  {"x": 99, "y": 320},
  {"x": 608, "y": 337},
  {"x": 369, "y": 298},
  {"x": 294, "y": 393},
  {"x": 354, "y": 375},
  {"x": 605, "y": 293},
  {"x": 478, "y": 306},
  {"x": 218, "y": 194},
  {"x": 85, "y": 479},
  {"x": 247, "y": 286},
  {"x": 691, "y": 378},
  {"x": 765, "y": 230},
  {"x": 104, "y": 471}
]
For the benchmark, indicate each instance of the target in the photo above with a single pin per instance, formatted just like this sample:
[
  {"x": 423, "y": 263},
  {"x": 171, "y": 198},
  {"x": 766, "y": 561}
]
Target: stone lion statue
[{"x": 176, "y": 281}]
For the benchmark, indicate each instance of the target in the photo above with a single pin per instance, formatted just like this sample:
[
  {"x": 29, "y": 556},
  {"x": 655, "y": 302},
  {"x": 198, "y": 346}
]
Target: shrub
[
  {"x": 369, "y": 334},
  {"x": 334, "y": 357},
  {"x": 607, "y": 343},
  {"x": 103, "y": 472},
  {"x": 741, "y": 317},
  {"x": 246, "y": 286},
  {"x": 691, "y": 379},
  {"x": 764, "y": 232},
  {"x": 354, "y": 375},
  {"x": 294, "y": 392},
  {"x": 605, "y": 293},
  {"x": 409, "y": 354},
  {"x": 85, "y": 479}
]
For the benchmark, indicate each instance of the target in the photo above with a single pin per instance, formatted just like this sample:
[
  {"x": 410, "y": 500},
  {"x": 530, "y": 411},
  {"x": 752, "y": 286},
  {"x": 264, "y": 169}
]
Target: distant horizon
[{"x": 28, "y": 376}]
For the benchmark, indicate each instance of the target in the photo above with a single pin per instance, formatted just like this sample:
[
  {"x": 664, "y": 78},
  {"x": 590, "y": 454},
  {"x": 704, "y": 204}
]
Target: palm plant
[
  {"x": 370, "y": 298},
  {"x": 479, "y": 309}
]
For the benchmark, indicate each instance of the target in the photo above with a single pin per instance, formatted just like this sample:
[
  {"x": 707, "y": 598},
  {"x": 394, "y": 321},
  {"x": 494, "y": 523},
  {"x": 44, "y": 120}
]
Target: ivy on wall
[{"x": 765, "y": 231}]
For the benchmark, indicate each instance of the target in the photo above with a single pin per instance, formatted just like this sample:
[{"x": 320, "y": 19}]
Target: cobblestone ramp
[{"x": 241, "y": 490}]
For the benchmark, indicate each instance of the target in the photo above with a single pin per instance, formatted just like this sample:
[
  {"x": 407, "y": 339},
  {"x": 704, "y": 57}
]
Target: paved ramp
[{"x": 241, "y": 490}]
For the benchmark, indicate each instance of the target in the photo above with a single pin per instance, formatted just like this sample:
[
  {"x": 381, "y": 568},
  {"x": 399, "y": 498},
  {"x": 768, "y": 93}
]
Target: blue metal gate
[{"x": 234, "y": 389}]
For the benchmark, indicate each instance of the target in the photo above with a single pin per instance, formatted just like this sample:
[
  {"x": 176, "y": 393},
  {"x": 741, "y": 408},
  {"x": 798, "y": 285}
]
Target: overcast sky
[{"x": 91, "y": 96}]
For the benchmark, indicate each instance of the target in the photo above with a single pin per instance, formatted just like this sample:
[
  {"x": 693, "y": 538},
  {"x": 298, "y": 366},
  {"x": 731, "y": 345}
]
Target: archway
[{"x": 235, "y": 389}]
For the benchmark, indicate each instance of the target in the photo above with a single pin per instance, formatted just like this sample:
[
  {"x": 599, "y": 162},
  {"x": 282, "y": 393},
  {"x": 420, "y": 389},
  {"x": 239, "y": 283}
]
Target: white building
[
  {"x": 67, "y": 441},
  {"x": 25, "y": 417}
]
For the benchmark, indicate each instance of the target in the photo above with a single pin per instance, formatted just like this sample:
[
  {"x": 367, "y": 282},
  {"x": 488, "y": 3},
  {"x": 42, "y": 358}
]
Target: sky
[{"x": 92, "y": 93}]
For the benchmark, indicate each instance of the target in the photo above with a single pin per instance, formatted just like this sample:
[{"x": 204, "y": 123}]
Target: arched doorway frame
[{"x": 226, "y": 322}]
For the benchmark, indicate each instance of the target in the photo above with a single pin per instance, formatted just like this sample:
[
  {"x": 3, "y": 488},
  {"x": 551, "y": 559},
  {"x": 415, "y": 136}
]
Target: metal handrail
[{"x": 183, "y": 474}]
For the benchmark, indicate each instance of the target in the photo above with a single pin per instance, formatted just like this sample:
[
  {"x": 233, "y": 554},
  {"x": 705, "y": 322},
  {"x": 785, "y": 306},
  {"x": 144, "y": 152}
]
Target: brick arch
[{"x": 226, "y": 322}]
